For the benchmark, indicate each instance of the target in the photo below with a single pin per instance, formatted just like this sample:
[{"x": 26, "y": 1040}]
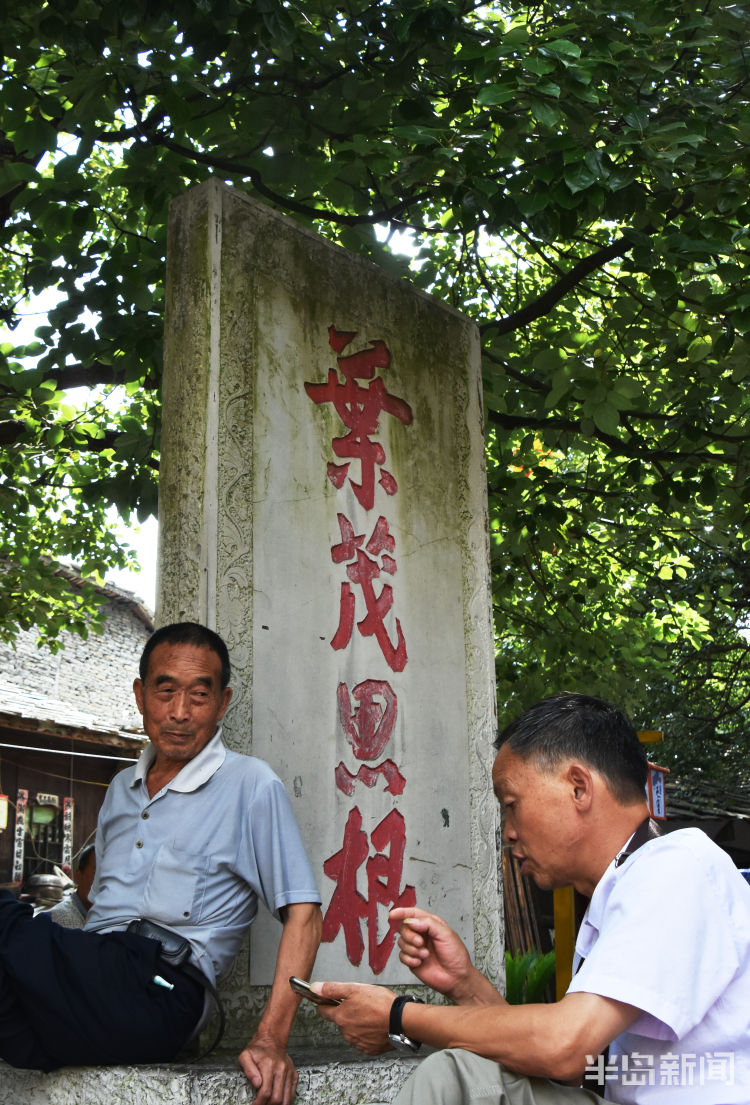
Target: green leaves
[
  {"x": 527, "y": 976},
  {"x": 575, "y": 179}
]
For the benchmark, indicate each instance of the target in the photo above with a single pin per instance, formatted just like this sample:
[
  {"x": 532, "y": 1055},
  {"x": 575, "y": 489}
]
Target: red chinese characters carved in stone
[
  {"x": 359, "y": 408},
  {"x": 348, "y": 908},
  {"x": 363, "y": 572},
  {"x": 384, "y": 871},
  {"x": 394, "y": 780},
  {"x": 369, "y": 726}
]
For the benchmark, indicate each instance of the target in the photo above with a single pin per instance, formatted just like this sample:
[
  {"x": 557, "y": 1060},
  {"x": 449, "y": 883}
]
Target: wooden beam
[
  {"x": 565, "y": 937},
  {"x": 12, "y": 723}
]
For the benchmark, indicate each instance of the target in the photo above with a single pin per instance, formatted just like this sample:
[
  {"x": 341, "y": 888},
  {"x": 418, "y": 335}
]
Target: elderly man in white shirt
[{"x": 663, "y": 951}]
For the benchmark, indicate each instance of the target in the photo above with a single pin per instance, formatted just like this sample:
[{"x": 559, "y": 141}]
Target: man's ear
[
  {"x": 581, "y": 783},
  {"x": 138, "y": 692}
]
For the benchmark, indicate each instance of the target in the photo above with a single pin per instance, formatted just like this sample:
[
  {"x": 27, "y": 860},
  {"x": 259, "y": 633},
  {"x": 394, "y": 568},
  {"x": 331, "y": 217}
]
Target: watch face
[{"x": 404, "y": 1044}]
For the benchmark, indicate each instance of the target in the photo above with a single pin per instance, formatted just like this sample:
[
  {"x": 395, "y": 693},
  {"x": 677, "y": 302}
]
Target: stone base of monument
[{"x": 327, "y": 1076}]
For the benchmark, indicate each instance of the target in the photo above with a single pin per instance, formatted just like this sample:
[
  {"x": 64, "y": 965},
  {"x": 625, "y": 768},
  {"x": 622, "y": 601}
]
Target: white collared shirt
[
  {"x": 198, "y": 855},
  {"x": 669, "y": 932}
]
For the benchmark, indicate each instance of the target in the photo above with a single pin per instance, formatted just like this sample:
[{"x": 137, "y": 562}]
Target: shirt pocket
[{"x": 176, "y": 885}]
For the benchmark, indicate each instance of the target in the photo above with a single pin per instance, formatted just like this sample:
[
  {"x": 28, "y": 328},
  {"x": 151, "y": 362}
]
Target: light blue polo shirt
[{"x": 197, "y": 856}]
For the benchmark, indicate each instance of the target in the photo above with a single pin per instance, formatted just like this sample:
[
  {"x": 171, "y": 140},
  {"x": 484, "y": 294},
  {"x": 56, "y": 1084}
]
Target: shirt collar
[
  {"x": 592, "y": 918},
  {"x": 194, "y": 774}
]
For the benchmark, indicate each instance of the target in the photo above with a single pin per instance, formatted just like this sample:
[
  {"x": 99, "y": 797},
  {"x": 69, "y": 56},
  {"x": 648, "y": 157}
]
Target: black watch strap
[{"x": 394, "y": 1021}]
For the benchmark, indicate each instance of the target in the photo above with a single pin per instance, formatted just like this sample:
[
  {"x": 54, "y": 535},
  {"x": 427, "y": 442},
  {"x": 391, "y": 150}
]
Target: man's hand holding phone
[
  {"x": 360, "y": 1012},
  {"x": 305, "y": 990}
]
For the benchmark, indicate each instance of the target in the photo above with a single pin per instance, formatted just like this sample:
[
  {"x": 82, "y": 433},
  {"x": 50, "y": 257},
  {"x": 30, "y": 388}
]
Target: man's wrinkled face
[
  {"x": 538, "y": 817},
  {"x": 181, "y": 700}
]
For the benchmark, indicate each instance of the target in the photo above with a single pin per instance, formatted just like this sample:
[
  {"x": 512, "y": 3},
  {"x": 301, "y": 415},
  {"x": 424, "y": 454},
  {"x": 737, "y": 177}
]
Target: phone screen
[{"x": 306, "y": 991}]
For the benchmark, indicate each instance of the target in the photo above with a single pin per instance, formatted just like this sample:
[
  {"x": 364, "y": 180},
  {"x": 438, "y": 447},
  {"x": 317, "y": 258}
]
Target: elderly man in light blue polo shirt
[{"x": 190, "y": 838}]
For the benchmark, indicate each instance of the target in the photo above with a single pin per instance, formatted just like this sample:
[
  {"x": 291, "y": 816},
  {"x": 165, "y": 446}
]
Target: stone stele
[{"x": 323, "y": 507}]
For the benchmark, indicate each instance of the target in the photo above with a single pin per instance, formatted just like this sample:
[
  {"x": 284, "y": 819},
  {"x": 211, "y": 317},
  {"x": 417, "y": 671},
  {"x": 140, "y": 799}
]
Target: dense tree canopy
[{"x": 572, "y": 175}]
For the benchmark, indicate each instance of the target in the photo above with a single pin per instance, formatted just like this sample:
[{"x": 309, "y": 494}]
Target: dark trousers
[{"x": 75, "y": 998}]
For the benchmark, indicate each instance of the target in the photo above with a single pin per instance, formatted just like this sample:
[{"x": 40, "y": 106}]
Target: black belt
[{"x": 175, "y": 951}]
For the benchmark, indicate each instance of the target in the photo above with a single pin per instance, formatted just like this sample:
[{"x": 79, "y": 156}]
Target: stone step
[{"x": 326, "y": 1077}]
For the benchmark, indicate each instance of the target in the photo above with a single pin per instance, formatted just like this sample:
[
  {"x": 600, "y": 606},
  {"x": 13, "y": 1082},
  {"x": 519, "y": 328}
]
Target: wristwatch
[{"x": 396, "y": 1037}]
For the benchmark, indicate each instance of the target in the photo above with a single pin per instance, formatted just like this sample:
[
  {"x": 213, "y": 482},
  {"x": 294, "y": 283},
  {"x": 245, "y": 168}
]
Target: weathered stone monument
[{"x": 323, "y": 506}]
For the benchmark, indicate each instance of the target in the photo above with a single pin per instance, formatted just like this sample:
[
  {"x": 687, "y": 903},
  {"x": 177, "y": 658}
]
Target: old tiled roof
[
  {"x": 72, "y": 574},
  {"x": 128, "y": 598},
  {"x": 31, "y": 712},
  {"x": 702, "y": 799}
]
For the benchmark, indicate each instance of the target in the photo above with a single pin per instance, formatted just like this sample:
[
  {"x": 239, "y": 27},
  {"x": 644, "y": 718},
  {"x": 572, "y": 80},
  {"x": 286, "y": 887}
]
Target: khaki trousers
[{"x": 457, "y": 1077}]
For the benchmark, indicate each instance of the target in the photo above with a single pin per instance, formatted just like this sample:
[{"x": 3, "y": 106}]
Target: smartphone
[{"x": 305, "y": 989}]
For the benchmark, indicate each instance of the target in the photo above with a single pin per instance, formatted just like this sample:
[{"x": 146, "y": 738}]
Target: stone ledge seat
[{"x": 327, "y": 1076}]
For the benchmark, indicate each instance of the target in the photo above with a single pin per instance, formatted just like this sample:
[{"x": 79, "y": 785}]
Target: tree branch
[
  {"x": 544, "y": 304},
  {"x": 634, "y": 448},
  {"x": 10, "y": 431},
  {"x": 286, "y": 202},
  {"x": 92, "y": 374}
]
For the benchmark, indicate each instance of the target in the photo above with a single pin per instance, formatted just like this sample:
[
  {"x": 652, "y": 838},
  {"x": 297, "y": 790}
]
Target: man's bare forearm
[
  {"x": 298, "y": 947},
  {"x": 476, "y": 989},
  {"x": 548, "y": 1041},
  {"x": 265, "y": 1060}
]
